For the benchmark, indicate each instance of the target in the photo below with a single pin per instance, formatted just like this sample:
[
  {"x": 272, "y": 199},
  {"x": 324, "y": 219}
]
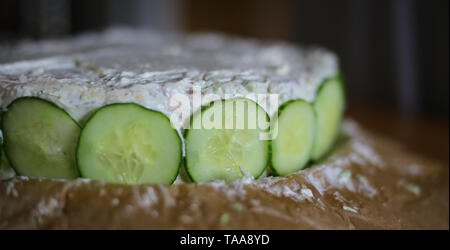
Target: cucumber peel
[
  {"x": 292, "y": 148},
  {"x": 40, "y": 139},
  {"x": 329, "y": 107}
]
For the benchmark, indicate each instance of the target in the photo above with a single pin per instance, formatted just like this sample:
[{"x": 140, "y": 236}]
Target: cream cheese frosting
[{"x": 152, "y": 68}]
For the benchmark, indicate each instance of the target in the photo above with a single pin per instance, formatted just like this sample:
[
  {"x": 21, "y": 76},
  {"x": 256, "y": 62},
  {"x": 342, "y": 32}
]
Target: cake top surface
[
  {"x": 116, "y": 55},
  {"x": 122, "y": 65},
  {"x": 140, "y": 51}
]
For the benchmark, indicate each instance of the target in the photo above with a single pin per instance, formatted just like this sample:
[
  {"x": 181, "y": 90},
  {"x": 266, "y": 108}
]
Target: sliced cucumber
[
  {"x": 6, "y": 171},
  {"x": 40, "y": 139},
  {"x": 229, "y": 151},
  {"x": 291, "y": 149},
  {"x": 1, "y": 145},
  {"x": 1, "y": 141},
  {"x": 329, "y": 107},
  {"x": 127, "y": 143}
]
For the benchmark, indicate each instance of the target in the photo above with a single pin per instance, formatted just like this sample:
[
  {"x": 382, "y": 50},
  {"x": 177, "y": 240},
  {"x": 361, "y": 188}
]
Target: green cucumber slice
[
  {"x": 229, "y": 151},
  {"x": 1, "y": 145},
  {"x": 40, "y": 139},
  {"x": 291, "y": 149},
  {"x": 127, "y": 143},
  {"x": 1, "y": 141},
  {"x": 6, "y": 171},
  {"x": 329, "y": 107}
]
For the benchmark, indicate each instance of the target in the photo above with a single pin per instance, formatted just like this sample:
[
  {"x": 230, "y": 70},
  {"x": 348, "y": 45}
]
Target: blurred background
[{"x": 394, "y": 53}]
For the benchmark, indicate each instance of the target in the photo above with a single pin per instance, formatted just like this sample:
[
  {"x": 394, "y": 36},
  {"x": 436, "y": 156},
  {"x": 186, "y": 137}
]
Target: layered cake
[{"x": 139, "y": 129}]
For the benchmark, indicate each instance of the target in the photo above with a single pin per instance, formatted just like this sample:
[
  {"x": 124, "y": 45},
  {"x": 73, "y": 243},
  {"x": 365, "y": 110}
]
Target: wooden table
[{"x": 423, "y": 135}]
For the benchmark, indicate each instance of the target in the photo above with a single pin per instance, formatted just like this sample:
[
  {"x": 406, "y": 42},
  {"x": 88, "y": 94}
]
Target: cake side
[{"x": 46, "y": 84}]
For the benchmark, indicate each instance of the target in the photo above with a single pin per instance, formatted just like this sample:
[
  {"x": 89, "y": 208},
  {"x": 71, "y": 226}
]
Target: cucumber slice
[
  {"x": 291, "y": 149},
  {"x": 40, "y": 139},
  {"x": 329, "y": 107},
  {"x": 127, "y": 143},
  {"x": 1, "y": 141},
  {"x": 4, "y": 166},
  {"x": 228, "y": 151},
  {"x": 6, "y": 171},
  {"x": 1, "y": 145}
]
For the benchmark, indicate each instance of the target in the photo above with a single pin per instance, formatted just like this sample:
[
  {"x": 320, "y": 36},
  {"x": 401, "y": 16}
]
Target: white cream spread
[{"x": 151, "y": 68}]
